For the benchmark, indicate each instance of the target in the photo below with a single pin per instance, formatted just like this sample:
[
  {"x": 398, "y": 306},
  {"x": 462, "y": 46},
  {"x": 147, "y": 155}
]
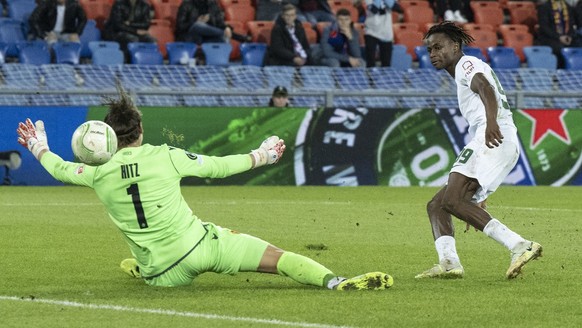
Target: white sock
[
  {"x": 447, "y": 251},
  {"x": 503, "y": 235},
  {"x": 334, "y": 282}
]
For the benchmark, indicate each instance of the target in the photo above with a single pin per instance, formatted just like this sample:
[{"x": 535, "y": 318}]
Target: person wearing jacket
[
  {"x": 202, "y": 21},
  {"x": 289, "y": 45},
  {"x": 340, "y": 43},
  {"x": 129, "y": 21},
  {"x": 57, "y": 20}
]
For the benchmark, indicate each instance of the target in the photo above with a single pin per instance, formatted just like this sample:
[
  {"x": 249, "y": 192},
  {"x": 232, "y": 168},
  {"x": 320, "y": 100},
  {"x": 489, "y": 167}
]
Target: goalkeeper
[{"x": 140, "y": 187}]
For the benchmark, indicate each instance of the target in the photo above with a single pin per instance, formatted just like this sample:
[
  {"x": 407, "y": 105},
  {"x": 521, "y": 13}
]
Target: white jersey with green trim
[{"x": 470, "y": 103}]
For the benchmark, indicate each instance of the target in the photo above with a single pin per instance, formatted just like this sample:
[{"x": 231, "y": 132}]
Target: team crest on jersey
[
  {"x": 80, "y": 169},
  {"x": 191, "y": 156},
  {"x": 468, "y": 67}
]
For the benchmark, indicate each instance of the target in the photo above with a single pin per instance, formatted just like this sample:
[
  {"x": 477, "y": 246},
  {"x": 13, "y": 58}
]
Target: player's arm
[
  {"x": 202, "y": 166},
  {"x": 33, "y": 137},
  {"x": 481, "y": 86}
]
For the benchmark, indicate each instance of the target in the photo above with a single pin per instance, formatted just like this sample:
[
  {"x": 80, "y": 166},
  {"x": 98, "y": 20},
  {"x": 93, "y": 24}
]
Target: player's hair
[
  {"x": 456, "y": 33},
  {"x": 124, "y": 117}
]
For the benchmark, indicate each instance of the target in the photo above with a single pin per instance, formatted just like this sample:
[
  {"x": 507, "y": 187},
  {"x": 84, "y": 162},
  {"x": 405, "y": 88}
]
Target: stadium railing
[{"x": 175, "y": 85}]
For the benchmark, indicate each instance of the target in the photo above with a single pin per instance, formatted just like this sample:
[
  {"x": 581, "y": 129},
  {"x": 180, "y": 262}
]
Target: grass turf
[{"x": 58, "y": 244}]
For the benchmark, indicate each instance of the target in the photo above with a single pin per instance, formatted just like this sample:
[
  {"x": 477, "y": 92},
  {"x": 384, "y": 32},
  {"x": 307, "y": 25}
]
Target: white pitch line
[{"x": 166, "y": 312}]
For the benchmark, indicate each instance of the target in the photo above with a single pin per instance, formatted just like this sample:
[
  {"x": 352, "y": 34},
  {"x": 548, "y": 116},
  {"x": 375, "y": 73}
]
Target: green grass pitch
[{"x": 58, "y": 247}]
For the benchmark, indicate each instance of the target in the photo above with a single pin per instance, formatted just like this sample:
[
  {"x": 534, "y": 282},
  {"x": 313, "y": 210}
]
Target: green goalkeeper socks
[{"x": 304, "y": 270}]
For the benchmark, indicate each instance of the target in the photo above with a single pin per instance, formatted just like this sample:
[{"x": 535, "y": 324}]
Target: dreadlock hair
[
  {"x": 124, "y": 117},
  {"x": 456, "y": 33}
]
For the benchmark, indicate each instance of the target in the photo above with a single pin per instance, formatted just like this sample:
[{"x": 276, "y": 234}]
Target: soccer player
[
  {"x": 140, "y": 187},
  {"x": 482, "y": 164}
]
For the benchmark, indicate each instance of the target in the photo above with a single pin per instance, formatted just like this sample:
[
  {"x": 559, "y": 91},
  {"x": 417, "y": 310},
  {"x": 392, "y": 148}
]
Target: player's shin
[{"x": 304, "y": 270}]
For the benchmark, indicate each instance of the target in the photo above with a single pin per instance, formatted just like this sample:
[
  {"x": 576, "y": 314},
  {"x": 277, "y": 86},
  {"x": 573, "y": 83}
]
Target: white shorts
[{"x": 489, "y": 166}]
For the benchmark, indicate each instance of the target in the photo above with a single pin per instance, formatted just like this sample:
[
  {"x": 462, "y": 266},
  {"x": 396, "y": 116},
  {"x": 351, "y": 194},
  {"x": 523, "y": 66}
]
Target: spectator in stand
[
  {"x": 315, "y": 11},
  {"x": 57, "y": 20},
  {"x": 379, "y": 32},
  {"x": 289, "y": 45},
  {"x": 578, "y": 16},
  {"x": 340, "y": 43},
  {"x": 129, "y": 21},
  {"x": 280, "y": 97},
  {"x": 269, "y": 10},
  {"x": 202, "y": 21},
  {"x": 450, "y": 10},
  {"x": 556, "y": 21},
  {"x": 4, "y": 4}
]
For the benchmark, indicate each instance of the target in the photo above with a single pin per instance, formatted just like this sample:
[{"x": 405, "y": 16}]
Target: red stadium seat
[
  {"x": 418, "y": 14},
  {"x": 512, "y": 28},
  {"x": 239, "y": 12},
  {"x": 166, "y": 9},
  {"x": 523, "y": 12},
  {"x": 405, "y": 26},
  {"x": 339, "y": 4},
  {"x": 97, "y": 10},
  {"x": 517, "y": 39},
  {"x": 310, "y": 33},
  {"x": 483, "y": 40},
  {"x": 472, "y": 27},
  {"x": 227, "y": 3},
  {"x": 261, "y": 31},
  {"x": 487, "y": 12},
  {"x": 163, "y": 35},
  {"x": 410, "y": 39}
]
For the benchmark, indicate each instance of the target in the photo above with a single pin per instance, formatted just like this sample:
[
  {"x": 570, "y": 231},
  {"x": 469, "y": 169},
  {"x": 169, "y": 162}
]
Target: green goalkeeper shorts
[{"x": 221, "y": 251}]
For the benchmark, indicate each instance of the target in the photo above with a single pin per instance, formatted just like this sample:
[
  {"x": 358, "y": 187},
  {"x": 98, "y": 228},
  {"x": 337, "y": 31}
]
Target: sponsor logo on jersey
[
  {"x": 80, "y": 169},
  {"x": 191, "y": 156},
  {"x": 468, "y": 67}
]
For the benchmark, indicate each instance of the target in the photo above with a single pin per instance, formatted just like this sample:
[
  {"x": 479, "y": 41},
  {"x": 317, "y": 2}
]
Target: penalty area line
[{"x": 166, "y": 312}]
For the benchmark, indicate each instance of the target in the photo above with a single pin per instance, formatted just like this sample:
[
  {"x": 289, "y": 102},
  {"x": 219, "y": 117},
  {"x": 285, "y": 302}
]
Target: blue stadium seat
[
  {"x": 424, "y": 62},
  {"x": 475, "y": 52},
  {"x": 246, "y": 77},
  {"x": 21, "y": 10},
  {"x": 133, "y": 47},
  {"x": 107, "y": 56},
  {"x": 90, "y": 34},
  {"x": 503, "y": 57},
  {"x": 279, "y": 75},
  {"x": 11, "y": 33},
  {"x": 175, "y": 77},
  {"x": 540, "y": 57},
  {"x": 33, "y": 52},
  {"x": 94, "y": 45},
  {"x": 351, "y": 78},
  {"x": 317, "y": 78},
  {"x": 217, "y": 54},
  {"x": 210, "y": 77},
  {"x": 180, "y": 53},
  {"x": 67, "y": 52},
  {"x": 388, "y": 78},
  {"x": 536, "y": 79},
  {"x": 147, "y": 57},
  {"x": 420, "y": 51},
  {"x": 400, "y": 58},
  {"x": 307, "y": 101},
  {"x": 85, "y": 100},
  {"x": 3, "y": 47},
  {"x": 573, "y": 58},
  {"x": 253, "y": 53}
]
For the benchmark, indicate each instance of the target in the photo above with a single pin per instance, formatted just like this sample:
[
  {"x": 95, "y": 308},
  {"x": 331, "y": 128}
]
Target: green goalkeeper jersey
[{"x": 140, "y": 187}]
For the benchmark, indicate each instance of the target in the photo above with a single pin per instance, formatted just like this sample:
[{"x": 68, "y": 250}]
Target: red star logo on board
[{"x": 547, "y": 122}]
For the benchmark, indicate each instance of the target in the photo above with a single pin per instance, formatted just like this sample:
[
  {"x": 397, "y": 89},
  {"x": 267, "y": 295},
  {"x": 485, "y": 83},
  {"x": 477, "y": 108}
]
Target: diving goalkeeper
[{"x": 140, "y": 188}]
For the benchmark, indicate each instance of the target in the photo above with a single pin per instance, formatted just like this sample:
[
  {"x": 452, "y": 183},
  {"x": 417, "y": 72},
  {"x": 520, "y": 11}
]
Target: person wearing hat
[{"x": 280, "y": 97}]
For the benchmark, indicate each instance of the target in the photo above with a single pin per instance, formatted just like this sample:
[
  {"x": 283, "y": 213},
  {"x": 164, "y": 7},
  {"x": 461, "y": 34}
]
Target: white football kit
[{"x": 489, "y": 166}]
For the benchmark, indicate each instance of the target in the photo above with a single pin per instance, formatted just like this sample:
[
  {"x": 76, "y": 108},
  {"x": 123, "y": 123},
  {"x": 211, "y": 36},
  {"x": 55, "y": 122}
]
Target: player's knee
[
  {"x": 432, "y": 206},
  {"x": 450, "y": 205}
]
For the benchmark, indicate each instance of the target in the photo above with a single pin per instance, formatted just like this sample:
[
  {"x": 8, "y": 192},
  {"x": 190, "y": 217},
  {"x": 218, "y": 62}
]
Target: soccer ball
[{"x": 94, "y": 142}]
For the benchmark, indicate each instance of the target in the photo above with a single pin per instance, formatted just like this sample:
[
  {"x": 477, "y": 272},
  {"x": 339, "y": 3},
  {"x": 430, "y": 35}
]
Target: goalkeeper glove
[
  {"x": 269, "y": 152},
  {"x": 32, "y": 137}
]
